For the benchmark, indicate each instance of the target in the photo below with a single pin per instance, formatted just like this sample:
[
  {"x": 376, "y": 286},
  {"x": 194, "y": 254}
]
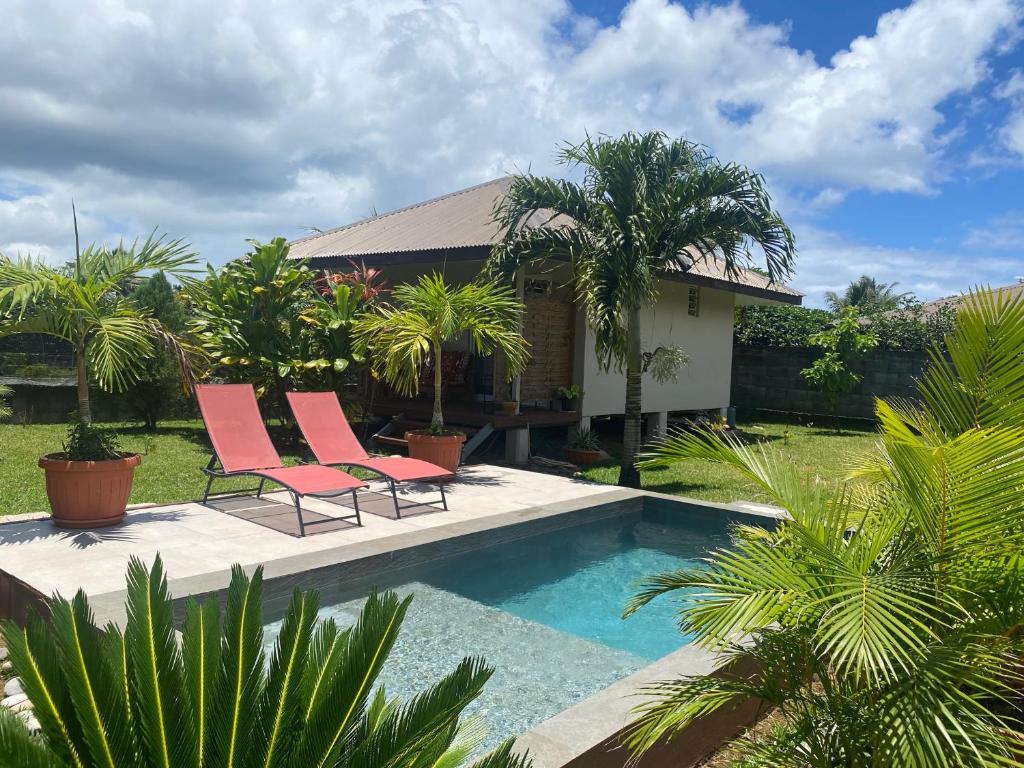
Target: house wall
[{"x": 703, "y": 384}]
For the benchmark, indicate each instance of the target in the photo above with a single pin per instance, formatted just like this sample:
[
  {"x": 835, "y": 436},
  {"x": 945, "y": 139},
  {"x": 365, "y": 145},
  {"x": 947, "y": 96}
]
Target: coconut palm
[
  {"x": 401, "y": 336},
  {"x": 646, "y": 205},
  {"x": 141, "y": 697},
  {"x": 868, "y": 295},
  {"x": 87, "y": 304},
  {"x": 886, "y": 615}
]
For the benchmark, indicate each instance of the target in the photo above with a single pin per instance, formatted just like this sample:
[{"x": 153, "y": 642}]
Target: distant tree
[
  {"x": 843, "y": 343},
  {"x": 868, "y": 295},
  {"x": 158, "y": 388}
]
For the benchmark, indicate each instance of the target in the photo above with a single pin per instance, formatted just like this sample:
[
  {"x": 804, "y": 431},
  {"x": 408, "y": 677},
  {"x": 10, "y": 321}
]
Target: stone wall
[{"x": 769, "y": 378}]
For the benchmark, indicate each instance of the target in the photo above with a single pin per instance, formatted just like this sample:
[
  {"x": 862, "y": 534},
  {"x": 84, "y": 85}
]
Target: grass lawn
[
  {"x": 817, "y": 450},
  {"x": 173, "y": 456},
  {"x": 170, "y": 471}
]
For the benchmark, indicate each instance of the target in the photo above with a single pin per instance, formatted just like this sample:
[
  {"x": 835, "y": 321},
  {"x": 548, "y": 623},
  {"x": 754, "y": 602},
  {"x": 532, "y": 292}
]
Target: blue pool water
[
  {"x": 578, "y": 580},
  {"x": 545, "y": 612}
]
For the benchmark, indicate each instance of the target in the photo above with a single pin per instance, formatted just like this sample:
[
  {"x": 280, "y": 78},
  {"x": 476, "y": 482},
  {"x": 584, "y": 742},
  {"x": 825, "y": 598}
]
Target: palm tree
[
  {"x": 886, "y": 615},
  {"x": 646, "y": 205},
  {"x": 142, "y": 698},
  {"x": 87, "y": 304},
  {"x": 868, "y": 295},
  {"x": 401, "y": 337}
]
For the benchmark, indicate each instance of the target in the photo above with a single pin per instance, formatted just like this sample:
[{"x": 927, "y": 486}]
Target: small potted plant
[
  {"x": 569, "y": 397},
  {"x": 87, "y": 304},
  {"x": 510, "y": 406},
  {"x": 583, "y": 448},
  {"x": 89, "y": 482},
  {"x": 399, "y": 339}
]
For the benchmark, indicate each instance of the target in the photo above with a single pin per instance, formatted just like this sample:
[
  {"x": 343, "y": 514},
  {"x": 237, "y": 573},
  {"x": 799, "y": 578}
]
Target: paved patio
[{"x": 194, "y": 539}]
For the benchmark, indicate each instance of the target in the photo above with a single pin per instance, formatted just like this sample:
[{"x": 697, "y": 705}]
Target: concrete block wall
[{"x": 769, "y": 378}]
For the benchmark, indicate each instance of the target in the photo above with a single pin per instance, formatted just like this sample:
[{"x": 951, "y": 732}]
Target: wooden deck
[{"x": 474, "y": 414}]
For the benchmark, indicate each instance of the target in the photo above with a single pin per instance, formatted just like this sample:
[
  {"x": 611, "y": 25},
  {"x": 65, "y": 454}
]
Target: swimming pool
[{"x": 545, "y": 611}]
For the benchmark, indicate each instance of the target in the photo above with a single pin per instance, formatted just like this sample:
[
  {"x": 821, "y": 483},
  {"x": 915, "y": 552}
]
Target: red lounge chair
[
  {"x": 242, "y": 446},
  {"x": 332, "y": 441}
]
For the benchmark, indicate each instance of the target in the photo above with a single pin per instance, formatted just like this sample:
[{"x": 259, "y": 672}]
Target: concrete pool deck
[
  {"x": 196, "y": 540},
  {"x": 487, "y": 504}
]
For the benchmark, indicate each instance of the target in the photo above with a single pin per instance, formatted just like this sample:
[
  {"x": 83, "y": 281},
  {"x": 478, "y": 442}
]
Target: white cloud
[
  {"x": 830, "y": 262},
  {"x": 267, "y": 117},
  {"x": 1001, "y": 233}
]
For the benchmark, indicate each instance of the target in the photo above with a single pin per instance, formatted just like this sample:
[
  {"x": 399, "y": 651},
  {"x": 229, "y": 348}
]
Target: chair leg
[
  {"x": 298, "y": 513},
  {"x": 394, "y": 496},
  {"x": 206, "y": 493},
  {"x": 259, "y": 491},
  {"x": 444, "y": 499},
  {"x": 355, "y": 505}
]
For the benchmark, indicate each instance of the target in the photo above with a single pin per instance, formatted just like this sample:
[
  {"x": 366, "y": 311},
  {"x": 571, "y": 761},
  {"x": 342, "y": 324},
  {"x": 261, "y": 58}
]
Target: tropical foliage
[
  {"x": 87, "y": 303},
  {"x": 884, "y": 616},
  {"x": 911, "y": 328},
  {"x": 158, "y": 390},
  {"x": 401, "y": 336},
  {"x": 139, "y": 697},
  {"x": 868, "y": 295},
  {"x": 844, "y": 342},
  {"x": 263, "y": 321},
  {"x": 646, "y": 204}
]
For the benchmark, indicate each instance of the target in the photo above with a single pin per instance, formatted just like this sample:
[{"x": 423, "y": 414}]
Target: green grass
[
  {"x": 816, "y": 450},
  {"x": 173, "y": 456},
  {"x": 170, "y": 471}
]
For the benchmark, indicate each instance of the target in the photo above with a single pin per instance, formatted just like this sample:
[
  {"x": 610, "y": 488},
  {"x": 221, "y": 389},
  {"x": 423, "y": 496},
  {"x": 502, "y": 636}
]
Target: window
[
  {"x": 537, "y": 286},
  {"x": 693, "y": 301}
]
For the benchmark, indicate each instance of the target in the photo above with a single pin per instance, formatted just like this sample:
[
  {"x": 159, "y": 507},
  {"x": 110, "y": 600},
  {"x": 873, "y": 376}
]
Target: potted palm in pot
[
  {"x": 87, "y": 305},
  {"x": 401, "y": 336},
  {"x": 583, "y": 448}
]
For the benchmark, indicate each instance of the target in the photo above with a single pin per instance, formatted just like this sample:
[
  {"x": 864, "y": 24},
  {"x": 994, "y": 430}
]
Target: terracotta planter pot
[
  {"x": 442, "y": 450},
  {"x": 582, "y": 458},
  {"x": 88, "y": 494}
]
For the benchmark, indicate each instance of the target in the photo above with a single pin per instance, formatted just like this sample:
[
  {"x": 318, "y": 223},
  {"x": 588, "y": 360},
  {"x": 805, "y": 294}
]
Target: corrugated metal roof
[{"x": 464, "y": 219}]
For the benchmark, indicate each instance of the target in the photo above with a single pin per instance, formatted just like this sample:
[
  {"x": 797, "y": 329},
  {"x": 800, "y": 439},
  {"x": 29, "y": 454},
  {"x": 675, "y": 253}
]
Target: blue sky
[{"x": 891, "y": 134}]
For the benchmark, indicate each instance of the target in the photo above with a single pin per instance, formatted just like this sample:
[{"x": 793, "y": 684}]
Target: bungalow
[{"x": 454, "y": 235}]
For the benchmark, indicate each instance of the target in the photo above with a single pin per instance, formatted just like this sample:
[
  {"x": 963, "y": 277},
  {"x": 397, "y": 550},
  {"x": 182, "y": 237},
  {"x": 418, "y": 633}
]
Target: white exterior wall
[{"x": 702, "y": 384}]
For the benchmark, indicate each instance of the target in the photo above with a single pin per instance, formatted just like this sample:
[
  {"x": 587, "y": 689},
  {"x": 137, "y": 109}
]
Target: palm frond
[
  {"x": 20, "y": 749},
  {"x": 241, "y": 675},
  {"x": 155, "y": 667}
]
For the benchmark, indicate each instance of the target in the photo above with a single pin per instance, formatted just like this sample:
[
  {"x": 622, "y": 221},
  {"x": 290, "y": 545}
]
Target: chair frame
[{"x": 213, "y": 473}]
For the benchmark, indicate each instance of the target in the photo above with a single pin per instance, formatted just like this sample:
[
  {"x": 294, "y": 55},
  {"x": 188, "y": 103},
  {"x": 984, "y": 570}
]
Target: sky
[{"x": 891, "y": 134}]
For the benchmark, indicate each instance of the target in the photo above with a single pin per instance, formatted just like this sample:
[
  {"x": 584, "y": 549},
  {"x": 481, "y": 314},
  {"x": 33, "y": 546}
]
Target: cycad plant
[
  {"x": 646, "y": 205},
  {"x": 886, "y": 615},
  {"x": 139, "y": 697},
  {"x": 402, "y": 335},
  {"x": 87, "y": 304}
]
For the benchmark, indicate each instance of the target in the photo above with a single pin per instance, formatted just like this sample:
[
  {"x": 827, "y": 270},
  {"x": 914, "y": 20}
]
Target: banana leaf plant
[{"x": 140, "y": 697}]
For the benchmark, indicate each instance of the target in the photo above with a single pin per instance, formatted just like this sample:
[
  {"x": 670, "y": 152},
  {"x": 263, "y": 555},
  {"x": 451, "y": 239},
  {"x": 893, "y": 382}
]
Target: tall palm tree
[
  {"x": 646, "y": 205},
  {"x": 868, "y": 295},
  {"x": 86, "y": 303},
  {"x": 402, "y": 335},
  {"x": 107, "y": 698},
  {"x": 885, "y": 617}
]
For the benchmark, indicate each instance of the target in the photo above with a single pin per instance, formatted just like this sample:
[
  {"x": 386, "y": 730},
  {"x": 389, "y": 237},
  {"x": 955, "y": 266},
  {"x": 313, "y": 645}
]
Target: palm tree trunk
[
  {"x": 629, "y": 475},
  {"x": 437, "y": 420},
  {"x": 84, "y": 410}
]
